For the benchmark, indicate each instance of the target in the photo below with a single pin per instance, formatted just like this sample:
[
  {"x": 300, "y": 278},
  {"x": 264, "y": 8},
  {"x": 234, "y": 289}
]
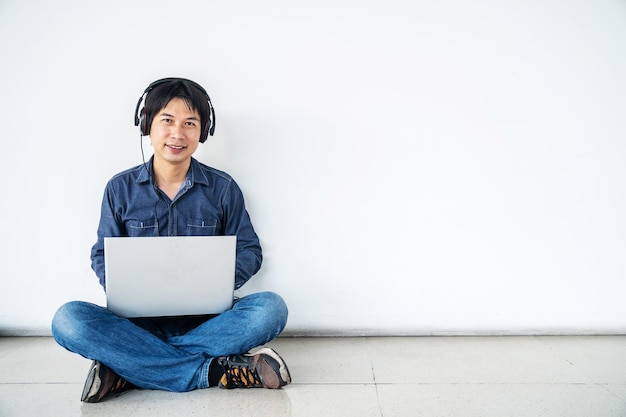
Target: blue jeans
[{"x": 168, "y": 354}]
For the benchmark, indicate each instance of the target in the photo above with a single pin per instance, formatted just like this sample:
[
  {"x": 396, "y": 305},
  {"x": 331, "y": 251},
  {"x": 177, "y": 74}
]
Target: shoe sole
[
  {"x": 92, "y": 384},
  {"x": 283, "y": 371}
]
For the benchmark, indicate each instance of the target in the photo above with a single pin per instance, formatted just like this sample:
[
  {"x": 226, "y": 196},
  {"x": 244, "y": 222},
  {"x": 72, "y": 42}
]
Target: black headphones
[{"x": 144, "y": 124}]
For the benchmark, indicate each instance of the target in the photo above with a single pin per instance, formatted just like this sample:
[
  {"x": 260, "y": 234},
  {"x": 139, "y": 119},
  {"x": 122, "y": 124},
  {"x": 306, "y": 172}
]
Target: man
[{"x": 159, "y": 198}]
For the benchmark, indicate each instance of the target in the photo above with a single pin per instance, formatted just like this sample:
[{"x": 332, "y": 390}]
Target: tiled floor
[{"x": 363, "y": 377}]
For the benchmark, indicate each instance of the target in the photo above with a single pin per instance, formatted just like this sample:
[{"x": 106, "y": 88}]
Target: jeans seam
[{"x": 204, "y": 374}]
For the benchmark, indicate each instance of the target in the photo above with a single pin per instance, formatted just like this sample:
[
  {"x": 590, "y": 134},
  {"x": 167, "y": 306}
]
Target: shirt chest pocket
[
  {"x": 202, "y": 227},
  {"x": 141, "y": 228}
]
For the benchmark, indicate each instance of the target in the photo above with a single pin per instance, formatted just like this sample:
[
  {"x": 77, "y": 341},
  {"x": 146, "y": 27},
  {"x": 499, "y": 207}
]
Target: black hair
[{"x": 194, "y": 96}]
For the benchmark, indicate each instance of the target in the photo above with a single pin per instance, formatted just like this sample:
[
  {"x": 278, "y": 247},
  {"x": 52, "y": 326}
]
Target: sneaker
[
  {"x": 263, "y": 369},
  {"x": 102, "y": 382}
]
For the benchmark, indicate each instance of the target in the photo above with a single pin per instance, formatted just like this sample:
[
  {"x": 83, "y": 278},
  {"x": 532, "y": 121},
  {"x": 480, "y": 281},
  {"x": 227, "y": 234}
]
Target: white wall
[{"x": 412, "y": 167}]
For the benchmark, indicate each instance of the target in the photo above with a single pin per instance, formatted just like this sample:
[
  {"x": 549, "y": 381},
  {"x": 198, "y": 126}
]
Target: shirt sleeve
[
  {"x": 238, "y": 223},
  {"x": 107, "y": 227}
]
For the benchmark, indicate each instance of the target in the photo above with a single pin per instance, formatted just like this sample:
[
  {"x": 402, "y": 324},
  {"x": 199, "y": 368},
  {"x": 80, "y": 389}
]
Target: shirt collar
[
  {"x": 195, "y": 173},
  {"x": 145, "y": 172}
]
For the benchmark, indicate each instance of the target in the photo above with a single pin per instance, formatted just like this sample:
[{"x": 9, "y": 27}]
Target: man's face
[{"x": 175, "y": 132}]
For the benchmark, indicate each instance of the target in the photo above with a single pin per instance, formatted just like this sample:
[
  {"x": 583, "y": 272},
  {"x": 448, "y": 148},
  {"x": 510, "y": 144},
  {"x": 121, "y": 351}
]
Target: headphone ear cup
[
  {"x": 205, "y": 132},
  {"x": 143, "y": 123}
]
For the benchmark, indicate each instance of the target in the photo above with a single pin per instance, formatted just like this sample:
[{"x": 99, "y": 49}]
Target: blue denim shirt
[{"x": 209, "y": 203}]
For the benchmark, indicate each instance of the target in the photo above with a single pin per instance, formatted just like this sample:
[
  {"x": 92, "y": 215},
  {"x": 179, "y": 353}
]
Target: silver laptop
[{"x": 169, "y": 276}]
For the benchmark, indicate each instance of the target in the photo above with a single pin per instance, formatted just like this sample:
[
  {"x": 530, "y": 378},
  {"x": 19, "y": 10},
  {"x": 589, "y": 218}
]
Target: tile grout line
[
  {"x": 376, "y": 388},
  {"x": 380, "y": 410}
]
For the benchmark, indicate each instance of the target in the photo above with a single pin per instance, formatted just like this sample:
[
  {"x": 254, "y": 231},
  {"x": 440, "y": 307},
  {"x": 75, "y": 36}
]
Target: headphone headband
[{"x": 142, "y": 121}]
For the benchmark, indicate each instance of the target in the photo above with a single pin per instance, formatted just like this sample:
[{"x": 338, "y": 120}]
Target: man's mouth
[{"x": 177, "y": 148}]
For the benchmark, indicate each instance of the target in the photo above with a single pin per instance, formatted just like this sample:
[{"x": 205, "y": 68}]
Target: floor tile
[
  {"x": 498, "y": 400},
  {"x": 326, "y": 360},
  {"x": 468, "y": 360},
  {"x": 619, "y": 390},
  {"x": 11, "y": 344},
  {"x": 601, "y": 359},
  {"x": 345, "y": 400},
  {"x": 40, "y": 359},
  {"x": 40, "y": 400}
]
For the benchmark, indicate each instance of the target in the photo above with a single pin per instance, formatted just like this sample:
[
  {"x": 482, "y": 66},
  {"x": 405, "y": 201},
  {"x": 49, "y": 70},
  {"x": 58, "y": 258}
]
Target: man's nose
[{"x": 177, "y": 130}]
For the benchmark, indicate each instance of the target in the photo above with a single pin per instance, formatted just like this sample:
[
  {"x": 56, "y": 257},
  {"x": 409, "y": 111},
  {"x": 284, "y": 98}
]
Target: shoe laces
[{"x": 241, "y": 377}]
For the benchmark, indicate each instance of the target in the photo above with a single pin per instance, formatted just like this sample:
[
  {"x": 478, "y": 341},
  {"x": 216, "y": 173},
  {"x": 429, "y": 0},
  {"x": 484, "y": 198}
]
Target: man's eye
[{"x": 166, "y": 120}]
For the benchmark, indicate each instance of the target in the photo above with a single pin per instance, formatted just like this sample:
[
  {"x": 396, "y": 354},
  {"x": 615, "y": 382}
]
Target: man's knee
[
  {"x": 66, "y": 323},
  {"x": 278, "y": 305},
  {"x": 271, "y": 309}
]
